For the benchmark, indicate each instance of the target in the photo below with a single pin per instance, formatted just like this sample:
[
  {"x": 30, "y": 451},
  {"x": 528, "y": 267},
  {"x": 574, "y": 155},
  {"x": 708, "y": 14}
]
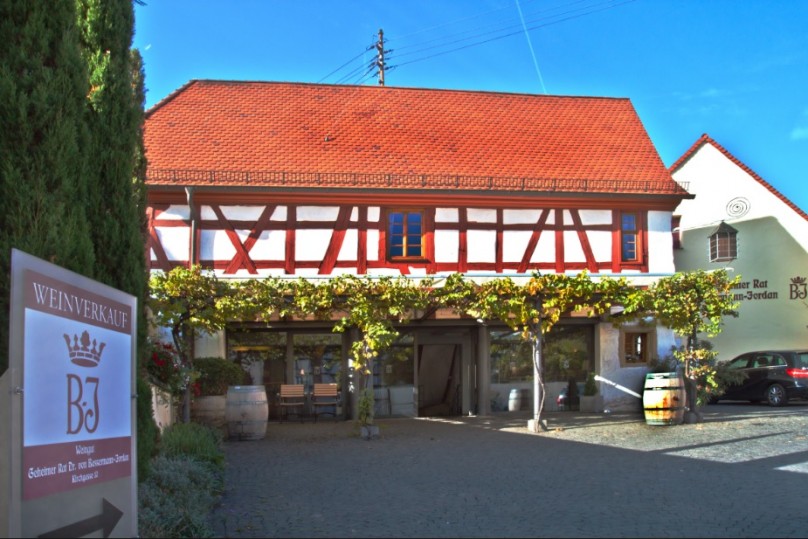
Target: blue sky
[{"x": 734, "y": 69}]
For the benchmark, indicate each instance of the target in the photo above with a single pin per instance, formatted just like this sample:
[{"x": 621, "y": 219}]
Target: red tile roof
[
  {"x": 262, "y": 133},
  {"x": 705, "y": 139}
]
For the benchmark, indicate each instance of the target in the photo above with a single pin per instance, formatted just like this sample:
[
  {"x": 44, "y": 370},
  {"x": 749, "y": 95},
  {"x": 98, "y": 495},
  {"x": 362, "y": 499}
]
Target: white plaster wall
[
  {"x": 481, "y": 245},
  {"x": 176, "y": 212},
  {"x": 514, "y": 243},
  {"x": 214, "y": 244},
  {"x": 374, "y": 214},
  {"x": 545, "y": 248},
  {"x": 573, "y": 250},
  {"x": 601, "y": 243},
  {"x": 595, "y": 217},
  {"x": 481, "y": 215},
  {"x": 239, "y": 213},
  {"x": 175, "y": 242},
  {"x": 521, "y": 217},
  {"x": 660, "y": 243},
  {"x": 446, "y": 215},
  {"x": 373, "y": 245},
  {"x": 317, "y": 213},
  {"x": 348, "y": 250},
  {"x": 312, "y": 244},
  {"x": 279, "y": 214},
  {"x": 447, "y": 243},
  {"x": 271, "y": 245},
  {"x": 632, "y": 378}
]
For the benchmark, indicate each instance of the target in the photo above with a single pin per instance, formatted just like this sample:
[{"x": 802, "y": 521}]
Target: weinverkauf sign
[{"x": 72, "y": 469}]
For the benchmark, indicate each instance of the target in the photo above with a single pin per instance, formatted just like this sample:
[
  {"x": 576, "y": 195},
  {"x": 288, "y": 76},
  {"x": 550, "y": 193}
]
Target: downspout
[
  {"x": 193, "y": 248},
  {"x": 192, "y": 259}
]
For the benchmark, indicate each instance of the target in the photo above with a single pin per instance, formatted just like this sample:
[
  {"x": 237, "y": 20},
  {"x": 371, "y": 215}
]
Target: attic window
[{"x": 723, "y": 243}]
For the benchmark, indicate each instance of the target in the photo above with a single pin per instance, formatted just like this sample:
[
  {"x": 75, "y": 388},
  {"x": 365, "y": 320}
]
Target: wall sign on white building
[{"x": 73, "y": 465}]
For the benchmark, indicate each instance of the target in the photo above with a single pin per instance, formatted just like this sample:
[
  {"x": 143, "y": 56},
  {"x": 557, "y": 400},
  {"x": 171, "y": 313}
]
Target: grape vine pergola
[{"x": 191, "y": 299}]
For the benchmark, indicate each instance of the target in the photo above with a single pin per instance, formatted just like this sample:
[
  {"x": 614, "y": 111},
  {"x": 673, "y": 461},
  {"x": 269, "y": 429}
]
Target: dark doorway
[{"x": 439, "y": 380}]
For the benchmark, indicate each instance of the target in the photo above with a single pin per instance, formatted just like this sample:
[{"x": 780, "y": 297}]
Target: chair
[
  {"x": 325, "y": 396},
  {"x": 291, "y": 396}
]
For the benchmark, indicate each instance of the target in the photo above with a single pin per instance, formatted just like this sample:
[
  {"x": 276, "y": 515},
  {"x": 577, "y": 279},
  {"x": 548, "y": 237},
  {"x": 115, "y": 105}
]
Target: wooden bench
[
  {"x": 325, "y": 396},
  {"x": 291, "y": 396}
]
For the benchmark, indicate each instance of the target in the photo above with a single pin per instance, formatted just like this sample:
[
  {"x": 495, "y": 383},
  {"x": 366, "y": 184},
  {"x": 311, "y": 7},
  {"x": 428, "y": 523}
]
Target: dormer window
[
  {"x": 405, "y": 234},
  {"x": 723, "y": 243}
]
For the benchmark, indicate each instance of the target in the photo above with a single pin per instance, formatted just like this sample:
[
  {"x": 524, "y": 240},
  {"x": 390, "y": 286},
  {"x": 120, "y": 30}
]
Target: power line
[
  {"x": 495, "y": 38},
  {"x": 369, "y": 47},
  {"x": 479, "y": 31}
]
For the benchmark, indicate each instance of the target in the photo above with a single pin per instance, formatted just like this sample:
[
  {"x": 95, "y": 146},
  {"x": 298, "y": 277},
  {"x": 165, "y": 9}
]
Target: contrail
[{"x": 529, "y": 44}]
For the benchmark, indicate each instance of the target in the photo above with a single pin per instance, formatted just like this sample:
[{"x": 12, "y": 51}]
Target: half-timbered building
[{"x": 256, "y": 179}]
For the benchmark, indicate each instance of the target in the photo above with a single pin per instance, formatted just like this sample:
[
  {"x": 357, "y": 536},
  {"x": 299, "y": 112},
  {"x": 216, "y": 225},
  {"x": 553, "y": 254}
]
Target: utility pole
[{"x": 380, "y": 59}]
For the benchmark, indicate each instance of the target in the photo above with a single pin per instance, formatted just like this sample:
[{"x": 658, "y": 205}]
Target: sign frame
[{"x": 71, "y": 405}]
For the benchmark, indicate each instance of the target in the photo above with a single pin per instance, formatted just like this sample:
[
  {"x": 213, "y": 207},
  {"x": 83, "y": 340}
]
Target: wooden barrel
[
  {"x": 515, "y": 400},
  {"x": 247, "y": 412},
  {"x": 210, "y": 411},
  {"x": 663, "y": 398}
]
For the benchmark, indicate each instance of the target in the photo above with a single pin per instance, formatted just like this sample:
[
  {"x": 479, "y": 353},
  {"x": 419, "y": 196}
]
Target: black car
[{"x": 774, "y": 376}]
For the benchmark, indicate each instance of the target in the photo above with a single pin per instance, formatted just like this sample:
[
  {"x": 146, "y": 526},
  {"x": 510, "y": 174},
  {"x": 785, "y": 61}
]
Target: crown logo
[
  {"x": 80, "y": 351},
  {"x": 799, "y": 280}
]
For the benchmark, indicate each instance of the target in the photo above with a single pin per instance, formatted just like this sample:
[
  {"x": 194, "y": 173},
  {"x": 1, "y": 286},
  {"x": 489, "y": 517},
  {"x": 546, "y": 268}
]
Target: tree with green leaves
[
  {"x": 44, "y": 154},
  {"x": 373, "y": 307},
  {"x": 690, "y": 304},
  {"x": 535, "y": 307},
  {"x": 187, "y": 301}
]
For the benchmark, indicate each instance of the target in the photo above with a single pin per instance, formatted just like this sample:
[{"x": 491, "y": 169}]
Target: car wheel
[{"x": 776, "y": 395}]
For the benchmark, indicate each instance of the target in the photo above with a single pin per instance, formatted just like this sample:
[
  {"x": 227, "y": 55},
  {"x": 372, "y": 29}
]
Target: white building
[{"x": 738, "y": 220}]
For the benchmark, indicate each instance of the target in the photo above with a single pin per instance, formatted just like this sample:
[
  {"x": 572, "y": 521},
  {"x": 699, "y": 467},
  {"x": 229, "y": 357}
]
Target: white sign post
[{"x": 73, "y": 466}]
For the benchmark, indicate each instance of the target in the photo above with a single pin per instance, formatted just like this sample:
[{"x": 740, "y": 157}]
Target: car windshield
[{"x": 801, "y": 360}]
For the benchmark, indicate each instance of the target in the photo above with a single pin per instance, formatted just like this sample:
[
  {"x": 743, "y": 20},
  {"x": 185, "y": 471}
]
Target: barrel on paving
[{"x": 663, "y": 398}]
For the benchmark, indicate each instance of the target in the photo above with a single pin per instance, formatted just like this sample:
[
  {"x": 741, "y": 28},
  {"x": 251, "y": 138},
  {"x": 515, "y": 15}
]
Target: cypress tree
[
  {"x": 114, "y": 117},
  {"x": 117, "y": 195},
  {"x": 43, "y": 142}
]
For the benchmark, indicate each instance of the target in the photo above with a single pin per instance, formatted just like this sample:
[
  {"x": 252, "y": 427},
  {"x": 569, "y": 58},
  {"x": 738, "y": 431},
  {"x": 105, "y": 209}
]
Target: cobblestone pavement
[{"x": 741, "y": 472}]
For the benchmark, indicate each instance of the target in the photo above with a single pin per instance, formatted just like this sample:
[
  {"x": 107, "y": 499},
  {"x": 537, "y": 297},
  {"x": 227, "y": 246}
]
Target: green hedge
[{"x": 216, "y": 374}]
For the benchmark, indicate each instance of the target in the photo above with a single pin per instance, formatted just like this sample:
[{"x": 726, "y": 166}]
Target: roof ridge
[{"x": 386, "y": 88}]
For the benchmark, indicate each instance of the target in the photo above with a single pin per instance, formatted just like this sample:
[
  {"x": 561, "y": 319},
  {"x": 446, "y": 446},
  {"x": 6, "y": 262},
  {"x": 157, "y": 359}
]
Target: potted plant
[
  {"x": 590, "y": 400},
  {"x": 216, "y": 374}
]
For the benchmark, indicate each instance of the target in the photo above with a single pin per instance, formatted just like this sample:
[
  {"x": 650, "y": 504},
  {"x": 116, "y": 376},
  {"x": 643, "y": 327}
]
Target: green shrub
[
  {"x": 216, "y": 374},
  {"x": 148, "y": 434},
  {"x": 193, "y": 440},
  {"x": 176, "y": 499},
  {"x": 590, "y": 387}
]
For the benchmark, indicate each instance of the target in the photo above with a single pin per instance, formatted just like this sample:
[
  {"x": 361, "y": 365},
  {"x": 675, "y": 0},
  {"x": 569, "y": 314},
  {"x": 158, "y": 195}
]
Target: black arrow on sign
[{"x": 109, "y": 517}]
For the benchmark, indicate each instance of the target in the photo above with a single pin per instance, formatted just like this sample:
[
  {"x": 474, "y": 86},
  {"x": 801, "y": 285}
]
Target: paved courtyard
[{"x": 739, "y": 473}]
